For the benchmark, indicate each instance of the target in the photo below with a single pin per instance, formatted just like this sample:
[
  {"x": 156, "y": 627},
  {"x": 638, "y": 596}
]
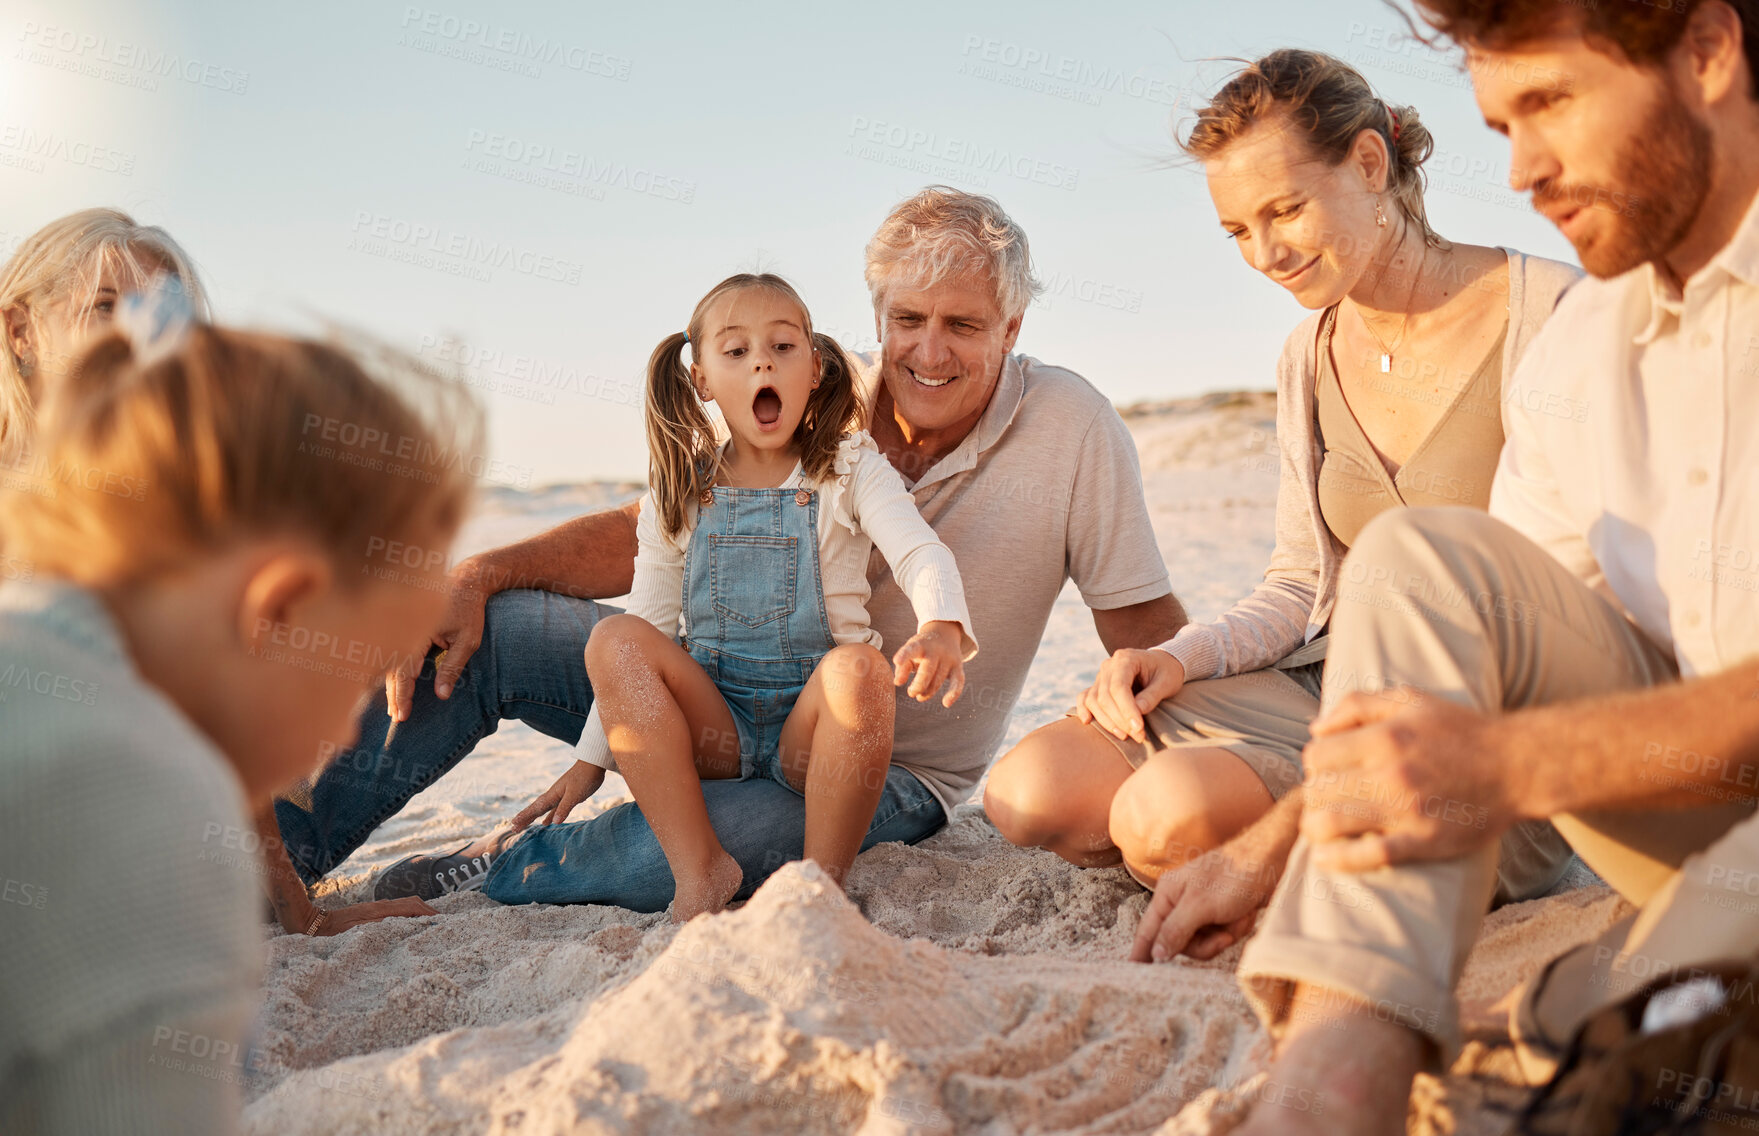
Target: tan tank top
[{"x": 1452, "y": 465}]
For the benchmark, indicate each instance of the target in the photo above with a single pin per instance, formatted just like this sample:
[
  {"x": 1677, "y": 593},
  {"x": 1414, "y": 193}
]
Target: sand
[{"x": 962, "y": 985}]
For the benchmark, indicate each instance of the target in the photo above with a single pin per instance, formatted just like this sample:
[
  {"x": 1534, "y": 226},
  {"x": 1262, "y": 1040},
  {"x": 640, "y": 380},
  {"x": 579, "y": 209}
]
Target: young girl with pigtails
[{"x": 747, "y": 650}]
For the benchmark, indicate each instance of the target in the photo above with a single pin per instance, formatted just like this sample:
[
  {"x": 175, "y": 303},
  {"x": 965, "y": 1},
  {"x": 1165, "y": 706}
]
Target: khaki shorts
[{"x": 1261, "y": 716}]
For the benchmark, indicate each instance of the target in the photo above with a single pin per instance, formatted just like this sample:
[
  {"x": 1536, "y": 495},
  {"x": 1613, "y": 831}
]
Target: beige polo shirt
[{"x": 1046, "y": 489}]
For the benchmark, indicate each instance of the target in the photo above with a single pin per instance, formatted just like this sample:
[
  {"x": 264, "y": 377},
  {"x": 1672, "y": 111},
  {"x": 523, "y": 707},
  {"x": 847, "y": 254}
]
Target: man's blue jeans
[{"x": 531, "y": 666}]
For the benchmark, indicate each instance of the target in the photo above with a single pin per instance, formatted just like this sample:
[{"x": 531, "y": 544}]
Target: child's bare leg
[
  {"x": 836, "y": 748},
  {"x": 669, "y": 729}
]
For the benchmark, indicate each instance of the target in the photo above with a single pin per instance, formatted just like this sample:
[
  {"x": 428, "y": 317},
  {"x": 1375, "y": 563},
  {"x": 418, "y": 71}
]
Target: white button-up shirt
[{"x": 1633, "y": 450}]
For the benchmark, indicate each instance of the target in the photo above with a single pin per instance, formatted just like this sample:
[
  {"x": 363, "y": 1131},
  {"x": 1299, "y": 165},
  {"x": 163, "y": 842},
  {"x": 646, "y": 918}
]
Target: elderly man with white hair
[{"x": 1024, "y": 470}]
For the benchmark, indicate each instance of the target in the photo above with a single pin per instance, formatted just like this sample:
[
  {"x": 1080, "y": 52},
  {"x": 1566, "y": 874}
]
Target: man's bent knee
[
  {"x": 1022, "y": 797},
  {"x": 1383, "y": 553}
]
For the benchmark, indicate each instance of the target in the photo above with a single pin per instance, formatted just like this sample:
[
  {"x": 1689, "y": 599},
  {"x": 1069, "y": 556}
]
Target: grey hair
[{"x": 943, "y": 232}]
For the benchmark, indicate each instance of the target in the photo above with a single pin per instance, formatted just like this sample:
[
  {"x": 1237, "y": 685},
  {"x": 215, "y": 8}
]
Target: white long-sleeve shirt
[
  {"x": 863, "y": 506},
  {"x": 1633, "y": 450}
]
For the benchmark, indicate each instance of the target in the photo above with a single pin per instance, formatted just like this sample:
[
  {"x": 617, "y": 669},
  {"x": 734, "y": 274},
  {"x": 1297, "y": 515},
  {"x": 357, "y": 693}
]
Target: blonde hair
[
  {"x": 67, "y": 258},
  {"x": 681, "y": 441},
  {"x": 943, "y": 232},
  {"x": 145, "y": 466},
  {"x": 1329, "y": 104}
]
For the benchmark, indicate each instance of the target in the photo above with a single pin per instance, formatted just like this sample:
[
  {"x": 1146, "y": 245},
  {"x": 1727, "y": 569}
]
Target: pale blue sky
[{"x": 380, "y": 164}]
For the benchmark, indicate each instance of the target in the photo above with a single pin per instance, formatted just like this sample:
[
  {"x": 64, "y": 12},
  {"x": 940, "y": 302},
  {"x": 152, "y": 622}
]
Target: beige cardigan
[{"x": 1291, "y": 607}]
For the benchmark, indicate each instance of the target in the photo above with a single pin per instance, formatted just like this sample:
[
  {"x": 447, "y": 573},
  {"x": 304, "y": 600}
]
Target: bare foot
[
  {"x": 1339, "y": 1071},
  {"x": 709, "y": 893}
]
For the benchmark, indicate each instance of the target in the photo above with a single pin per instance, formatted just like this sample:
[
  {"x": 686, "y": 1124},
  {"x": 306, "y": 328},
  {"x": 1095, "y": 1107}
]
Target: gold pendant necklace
[{"x": 1386, "y": 353}]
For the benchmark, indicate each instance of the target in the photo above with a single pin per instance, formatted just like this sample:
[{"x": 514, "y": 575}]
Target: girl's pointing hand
[{"x": 934, "y": 657}]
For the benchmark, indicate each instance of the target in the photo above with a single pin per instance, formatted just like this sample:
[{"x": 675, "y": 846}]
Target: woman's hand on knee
[{"x": 1130, "y": 684}]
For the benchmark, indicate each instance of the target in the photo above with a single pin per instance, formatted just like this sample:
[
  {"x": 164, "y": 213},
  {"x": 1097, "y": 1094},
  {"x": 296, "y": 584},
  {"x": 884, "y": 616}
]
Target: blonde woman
[
  {"x": 1389, "y": 395},
  {"x": 60, "y": 289},
  {"x": 166, "y": 673}
]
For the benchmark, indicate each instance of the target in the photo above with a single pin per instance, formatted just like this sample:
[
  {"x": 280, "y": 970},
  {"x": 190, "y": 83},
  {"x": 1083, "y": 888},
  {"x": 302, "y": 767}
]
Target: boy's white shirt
[{"x": 863, "y": 505}]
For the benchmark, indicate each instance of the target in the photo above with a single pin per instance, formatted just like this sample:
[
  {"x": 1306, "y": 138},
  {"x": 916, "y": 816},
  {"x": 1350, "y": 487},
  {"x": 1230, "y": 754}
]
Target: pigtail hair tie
[{"x": 155, "y": 320}]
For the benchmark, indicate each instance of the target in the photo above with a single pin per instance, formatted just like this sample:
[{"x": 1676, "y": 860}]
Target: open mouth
[
  {"x": 931, "y": 383},
  {"x": 767, "y": 406}
]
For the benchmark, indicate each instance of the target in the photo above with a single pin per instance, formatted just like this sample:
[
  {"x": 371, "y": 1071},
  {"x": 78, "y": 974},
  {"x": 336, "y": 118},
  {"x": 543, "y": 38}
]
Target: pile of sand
[{"x": 963, "y": 985}]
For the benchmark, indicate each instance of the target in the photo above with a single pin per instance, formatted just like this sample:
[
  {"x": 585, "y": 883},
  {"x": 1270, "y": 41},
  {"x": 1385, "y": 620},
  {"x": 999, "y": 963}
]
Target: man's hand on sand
[
  {"x": 1400, "y": 776},
  {"x": 339, "y": 919},
  {"x": 1130, "y": 684},
  {"x": 459, "y": 634},
  {"x": 1204, "y": 906},
  {"x": 581, "y": 781}
]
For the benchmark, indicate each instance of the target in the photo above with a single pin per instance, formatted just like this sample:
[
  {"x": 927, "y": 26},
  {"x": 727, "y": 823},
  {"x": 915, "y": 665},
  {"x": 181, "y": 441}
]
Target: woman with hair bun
[{"x": 1183, "y": 762}]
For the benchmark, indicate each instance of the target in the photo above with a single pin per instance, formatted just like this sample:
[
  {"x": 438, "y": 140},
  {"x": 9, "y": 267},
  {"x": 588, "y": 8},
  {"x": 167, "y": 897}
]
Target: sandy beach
[{"x": 962, "y": 985}]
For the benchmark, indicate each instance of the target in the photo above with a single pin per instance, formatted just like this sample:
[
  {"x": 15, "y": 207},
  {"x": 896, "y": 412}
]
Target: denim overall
[{"x": 755, "y": 607}]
